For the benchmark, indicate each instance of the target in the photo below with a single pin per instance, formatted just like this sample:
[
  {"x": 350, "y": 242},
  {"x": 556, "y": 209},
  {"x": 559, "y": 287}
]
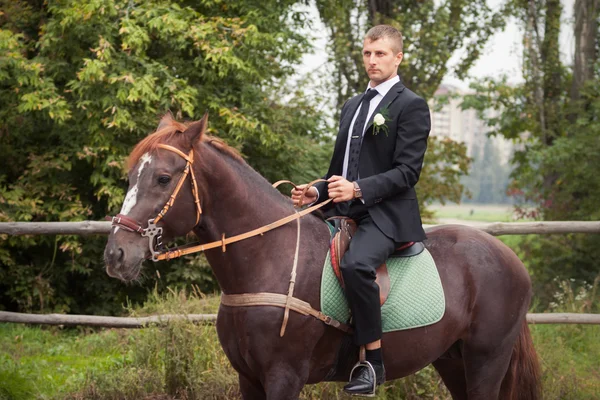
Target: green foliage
[
  {"x": 82, "y": 81},
  {"x": 556, "y": 181},
  {"x": 446, "y": 161},
  {"x": 570, "y": 353},
  {"x": 556, "y": 127},
  {"x": 572, "y": 256}
]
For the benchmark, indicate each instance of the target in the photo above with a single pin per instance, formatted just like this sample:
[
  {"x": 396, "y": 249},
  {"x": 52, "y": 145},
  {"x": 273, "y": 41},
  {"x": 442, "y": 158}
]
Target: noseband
[{"x": 153, "y": 231}]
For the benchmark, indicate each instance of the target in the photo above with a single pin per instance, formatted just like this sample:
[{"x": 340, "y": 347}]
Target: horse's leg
[
  {"x": 285, "y": 382},
  {"x": 452, "y": 372},
  {"x": 485, "y": 369},
  {"x": 251, "y": 389}
]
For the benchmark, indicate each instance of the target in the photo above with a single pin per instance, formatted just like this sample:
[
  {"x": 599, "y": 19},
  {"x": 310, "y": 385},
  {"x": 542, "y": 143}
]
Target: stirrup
[{"x": 370, "y": 367}]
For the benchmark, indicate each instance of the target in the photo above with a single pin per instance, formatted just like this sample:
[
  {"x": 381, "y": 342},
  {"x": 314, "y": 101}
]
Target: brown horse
[{"x": 482, "y": 347}]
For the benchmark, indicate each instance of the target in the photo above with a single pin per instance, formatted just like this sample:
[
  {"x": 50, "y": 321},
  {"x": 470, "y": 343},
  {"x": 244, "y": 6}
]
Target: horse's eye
[{"x": 164, "y": 179}]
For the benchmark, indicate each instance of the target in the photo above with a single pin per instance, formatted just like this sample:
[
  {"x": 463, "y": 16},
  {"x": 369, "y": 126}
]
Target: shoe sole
[{"x": 362, "y": 395}]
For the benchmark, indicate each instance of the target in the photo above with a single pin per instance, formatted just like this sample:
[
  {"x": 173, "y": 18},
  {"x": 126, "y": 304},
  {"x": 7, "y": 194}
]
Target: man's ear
[
  {"x": 165, "y": 121},
  {"x": 196, "y": 130},
  {"x": 399, "y": 57}
]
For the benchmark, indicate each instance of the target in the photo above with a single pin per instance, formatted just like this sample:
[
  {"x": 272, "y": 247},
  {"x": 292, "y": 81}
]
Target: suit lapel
[
  {"x": 345, "y": 124},
  {"x": 389, "y": 98}
]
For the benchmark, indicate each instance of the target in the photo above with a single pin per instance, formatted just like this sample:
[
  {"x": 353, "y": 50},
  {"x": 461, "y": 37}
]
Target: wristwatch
[{"x": 357, "y": 191}]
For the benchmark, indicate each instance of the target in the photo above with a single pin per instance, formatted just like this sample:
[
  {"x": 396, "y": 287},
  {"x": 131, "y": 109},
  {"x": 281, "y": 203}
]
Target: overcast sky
[{"x": 502, "y": 54}]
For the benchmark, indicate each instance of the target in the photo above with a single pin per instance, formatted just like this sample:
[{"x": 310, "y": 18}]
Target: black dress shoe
[{"x": 364, "y": 378}]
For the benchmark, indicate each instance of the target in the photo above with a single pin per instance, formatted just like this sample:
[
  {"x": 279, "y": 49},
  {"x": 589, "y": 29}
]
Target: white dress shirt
[{"x": 382, "y": 90}]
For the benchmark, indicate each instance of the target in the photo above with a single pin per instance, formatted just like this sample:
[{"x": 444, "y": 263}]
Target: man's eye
[{"x": 164, "y": 179}]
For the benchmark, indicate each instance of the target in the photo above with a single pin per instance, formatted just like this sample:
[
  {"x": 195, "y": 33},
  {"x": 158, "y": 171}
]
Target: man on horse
[{"x": 376, "y": 163}]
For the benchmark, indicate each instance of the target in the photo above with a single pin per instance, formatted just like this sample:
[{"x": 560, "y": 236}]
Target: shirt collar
[{"x": 385, "y": 87}]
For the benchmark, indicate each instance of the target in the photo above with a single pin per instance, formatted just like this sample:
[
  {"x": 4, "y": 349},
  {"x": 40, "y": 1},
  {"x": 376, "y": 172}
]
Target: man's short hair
[{"x": 380, "y": 31}]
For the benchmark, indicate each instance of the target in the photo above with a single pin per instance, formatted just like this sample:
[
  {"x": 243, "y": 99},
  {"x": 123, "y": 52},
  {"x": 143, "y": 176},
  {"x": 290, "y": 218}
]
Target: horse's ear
[
  {"x": 196, "y": 130},
  {"x": 166, "y": 120}
]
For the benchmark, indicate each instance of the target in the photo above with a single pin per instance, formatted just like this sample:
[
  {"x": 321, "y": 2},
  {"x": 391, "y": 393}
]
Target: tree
[
  {"x": 554, "y": 117},
  {"x": 586, "y": 52},
  {"x": 433, "y": 32},
  {"x": 82, "y": 81}
]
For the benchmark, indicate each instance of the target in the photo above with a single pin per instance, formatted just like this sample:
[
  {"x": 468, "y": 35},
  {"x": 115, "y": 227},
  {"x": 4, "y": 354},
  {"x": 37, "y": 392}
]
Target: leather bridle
[{"x": 152, "y": 231}]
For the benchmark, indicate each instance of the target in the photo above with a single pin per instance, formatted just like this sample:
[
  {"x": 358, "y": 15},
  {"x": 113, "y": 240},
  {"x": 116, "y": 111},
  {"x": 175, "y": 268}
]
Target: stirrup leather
[{"x": 370, "y": 367}]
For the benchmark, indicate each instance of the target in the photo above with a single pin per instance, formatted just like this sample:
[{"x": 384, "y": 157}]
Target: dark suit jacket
[{"x": 389, "y": 164}]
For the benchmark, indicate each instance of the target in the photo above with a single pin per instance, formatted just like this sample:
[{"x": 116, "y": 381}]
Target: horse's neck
[{"x": 238, "y": 200}]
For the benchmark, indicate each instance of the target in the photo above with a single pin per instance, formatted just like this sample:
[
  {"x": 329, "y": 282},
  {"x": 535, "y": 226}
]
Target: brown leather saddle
[{"x": 342, "y": 235}]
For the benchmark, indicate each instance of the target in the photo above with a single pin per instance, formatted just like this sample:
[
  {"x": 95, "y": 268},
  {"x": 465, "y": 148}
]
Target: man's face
[{"x": 381, "y": 62}]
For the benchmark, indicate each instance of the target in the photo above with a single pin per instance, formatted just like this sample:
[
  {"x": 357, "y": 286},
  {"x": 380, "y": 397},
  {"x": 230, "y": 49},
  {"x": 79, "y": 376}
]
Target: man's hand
[
  {"x": 340, "y": 189},
  {"x": 310, "y": 196}
]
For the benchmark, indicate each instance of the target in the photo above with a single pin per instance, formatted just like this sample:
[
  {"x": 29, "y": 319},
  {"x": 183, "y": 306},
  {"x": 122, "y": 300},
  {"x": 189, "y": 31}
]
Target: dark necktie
[{"x": 356, "y": 138}]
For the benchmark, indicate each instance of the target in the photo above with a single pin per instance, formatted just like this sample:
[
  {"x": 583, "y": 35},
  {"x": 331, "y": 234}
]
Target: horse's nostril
[{"x": 115, "y": 257}]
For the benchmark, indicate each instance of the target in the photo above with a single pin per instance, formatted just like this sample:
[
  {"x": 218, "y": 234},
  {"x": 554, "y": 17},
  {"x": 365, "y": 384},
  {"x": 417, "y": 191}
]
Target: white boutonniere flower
[{"x": 379, "y": 121}]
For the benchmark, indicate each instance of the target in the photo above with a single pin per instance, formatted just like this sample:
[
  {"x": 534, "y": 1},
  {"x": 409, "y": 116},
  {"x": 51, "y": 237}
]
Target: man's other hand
[
  {"x": 340, "y": 189},
  {"x": 310, "y": 196}
]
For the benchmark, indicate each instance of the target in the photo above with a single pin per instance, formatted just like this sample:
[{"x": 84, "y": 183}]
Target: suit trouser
[{"x": 368, "y": 249}]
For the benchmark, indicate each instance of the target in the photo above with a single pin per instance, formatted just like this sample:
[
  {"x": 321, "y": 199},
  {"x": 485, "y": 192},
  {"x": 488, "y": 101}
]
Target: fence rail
[
  {"x": 140, "y": 322},
  {"x": 100, "y": 321},
  {"x": 496, "y": 228}
]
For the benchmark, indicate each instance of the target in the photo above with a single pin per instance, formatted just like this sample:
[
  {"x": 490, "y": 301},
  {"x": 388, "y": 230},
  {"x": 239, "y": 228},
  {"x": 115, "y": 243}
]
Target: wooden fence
[
  {"x": 496, "y": 228},
  {"x": 140, "y": 322},
  {"x": 101, "y": 227}
]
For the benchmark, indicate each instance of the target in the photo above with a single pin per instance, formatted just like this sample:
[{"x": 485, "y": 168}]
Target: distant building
[{"x": 464, "y": 125}]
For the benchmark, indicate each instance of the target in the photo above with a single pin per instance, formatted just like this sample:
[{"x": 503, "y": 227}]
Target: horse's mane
[{"x": 170, "y": 131}]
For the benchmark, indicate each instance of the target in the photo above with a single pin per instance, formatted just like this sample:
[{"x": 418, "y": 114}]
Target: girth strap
[{"x": 283, "y": 301}]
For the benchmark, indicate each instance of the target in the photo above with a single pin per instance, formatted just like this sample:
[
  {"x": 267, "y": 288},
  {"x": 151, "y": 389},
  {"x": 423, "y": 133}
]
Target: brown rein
[
  {"x": 178, "y": 252},
  {"x": 225, "y": 241}
]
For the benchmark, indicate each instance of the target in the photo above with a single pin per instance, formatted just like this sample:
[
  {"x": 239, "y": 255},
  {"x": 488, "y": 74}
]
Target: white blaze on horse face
[{"x": 131, "y": 198}]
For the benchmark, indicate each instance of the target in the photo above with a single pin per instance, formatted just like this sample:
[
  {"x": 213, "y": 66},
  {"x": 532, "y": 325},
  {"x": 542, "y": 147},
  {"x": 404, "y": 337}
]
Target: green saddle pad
[{"x": 416, "y": 295}]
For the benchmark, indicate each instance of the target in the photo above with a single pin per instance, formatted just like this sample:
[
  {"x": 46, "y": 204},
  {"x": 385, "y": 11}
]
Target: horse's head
[{"x": 162, "y": 201}]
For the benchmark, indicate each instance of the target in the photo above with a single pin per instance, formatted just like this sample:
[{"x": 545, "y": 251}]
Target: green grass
[
  {"x": 570, "y": 354},
  {"x": 185, "y": 361},
  {"x": 45, "y": 363}
]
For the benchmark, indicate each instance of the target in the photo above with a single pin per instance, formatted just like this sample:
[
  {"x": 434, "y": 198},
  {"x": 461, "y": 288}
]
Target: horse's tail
[{"x": 522, "y": 380}]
